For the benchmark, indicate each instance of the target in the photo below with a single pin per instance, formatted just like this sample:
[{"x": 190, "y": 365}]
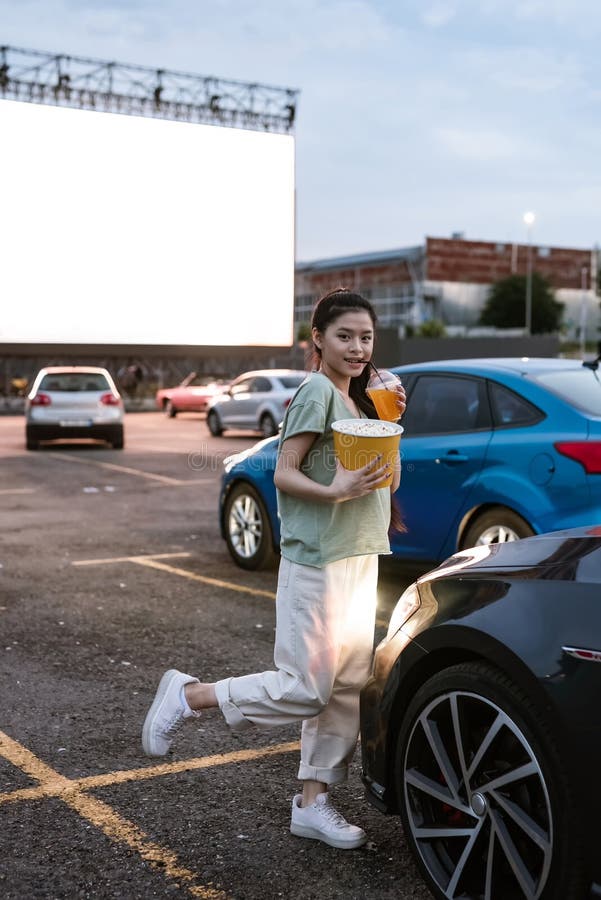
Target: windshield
[
  {"x": 578, "y": 387},
  {"x": 74, "y": 381},
  {"x": 292, "y": 381},
  {"x": 198, "y": 381}
]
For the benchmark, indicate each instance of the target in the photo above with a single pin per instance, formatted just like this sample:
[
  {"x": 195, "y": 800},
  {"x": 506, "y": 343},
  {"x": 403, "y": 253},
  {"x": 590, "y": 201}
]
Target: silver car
[
  {"x": 73, "y": 402},
  {"x": 255, "y": 401}
]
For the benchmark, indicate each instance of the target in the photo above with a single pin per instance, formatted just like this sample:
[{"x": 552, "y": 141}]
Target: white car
[
  {"x": 73, "y": 402},
  {"x": 255, "y": 401}
]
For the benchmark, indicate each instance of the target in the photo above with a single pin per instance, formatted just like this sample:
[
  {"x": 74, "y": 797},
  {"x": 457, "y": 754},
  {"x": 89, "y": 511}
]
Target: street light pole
[
  {"x": 583, "y": 310},
  {"x": 529, "y": 222}
]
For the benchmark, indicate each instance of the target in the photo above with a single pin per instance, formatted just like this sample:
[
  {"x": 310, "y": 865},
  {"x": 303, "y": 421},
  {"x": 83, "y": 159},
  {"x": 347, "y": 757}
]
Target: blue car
[{"x": 493, "y": 450}]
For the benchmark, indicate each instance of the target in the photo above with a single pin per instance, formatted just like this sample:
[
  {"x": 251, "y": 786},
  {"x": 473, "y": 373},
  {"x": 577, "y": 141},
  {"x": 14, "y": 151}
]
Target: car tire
[
  {"x": 248, "y": 531},
  {"x": 267, "y": 425},
  {"x": 527, "y": 824},
  {"x": 118, "y": 441},
  {"x": 31, "y": 443},
  {"x": 170, "y": 410},
  {"x": 214, "y": 424},
  {"x": 496, "y": 526}
]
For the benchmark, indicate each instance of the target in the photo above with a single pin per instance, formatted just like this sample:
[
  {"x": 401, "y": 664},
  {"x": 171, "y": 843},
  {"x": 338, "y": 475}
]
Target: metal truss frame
[{"x": 61, "y": 80}]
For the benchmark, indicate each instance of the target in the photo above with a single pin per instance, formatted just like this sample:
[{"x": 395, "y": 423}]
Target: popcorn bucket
[{"x": 358, "y": 442}]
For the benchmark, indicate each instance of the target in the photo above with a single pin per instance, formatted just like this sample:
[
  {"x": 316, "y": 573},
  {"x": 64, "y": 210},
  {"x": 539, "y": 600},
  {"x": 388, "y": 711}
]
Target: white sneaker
[
  {"x": 167, "y": 714},
  {"x": 322, "y": 822}
]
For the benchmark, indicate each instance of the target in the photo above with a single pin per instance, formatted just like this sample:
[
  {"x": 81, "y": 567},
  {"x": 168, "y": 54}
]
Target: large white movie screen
[{"x": 125, "y": 230}]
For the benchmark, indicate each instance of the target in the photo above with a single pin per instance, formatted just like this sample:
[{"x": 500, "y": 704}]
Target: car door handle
[{"x": 452, "y": 457}]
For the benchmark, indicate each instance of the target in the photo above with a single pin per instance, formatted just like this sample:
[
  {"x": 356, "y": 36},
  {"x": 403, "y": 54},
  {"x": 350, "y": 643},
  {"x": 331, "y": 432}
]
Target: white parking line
[
  {"x": 18, "y": 491},
  {"x": 139, "y": 473},
  {"x": 114, "y": 559},
  {"x": 151, "y": 562}
]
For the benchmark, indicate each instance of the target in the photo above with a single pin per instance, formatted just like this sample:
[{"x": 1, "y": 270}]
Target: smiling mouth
[{"x": 363, "y": 361}]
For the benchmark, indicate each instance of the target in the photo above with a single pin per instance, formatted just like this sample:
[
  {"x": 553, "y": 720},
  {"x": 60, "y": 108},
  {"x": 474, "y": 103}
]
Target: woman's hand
[
  {"x": 401, "y": 399},
  {"x": 348, "y": 484}
]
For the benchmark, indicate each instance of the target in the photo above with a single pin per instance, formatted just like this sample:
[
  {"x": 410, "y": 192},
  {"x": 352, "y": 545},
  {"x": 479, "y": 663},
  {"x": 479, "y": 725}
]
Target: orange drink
[
  {"x": 360, "y": 441},
  {"x": 381, "y": 390},
  {"x": 385, "y": 401}
]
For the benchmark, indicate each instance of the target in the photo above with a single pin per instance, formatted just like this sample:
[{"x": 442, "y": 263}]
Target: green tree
[
  {"x": 433, "y": 328},
  {"x": 303, "y": 331},
  {"x": 505, "y": 306}
]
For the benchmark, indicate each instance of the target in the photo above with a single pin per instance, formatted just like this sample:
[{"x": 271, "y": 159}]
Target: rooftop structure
[
  {"x": 63, "y": 80},
  {"x": 449, "y": 279}
]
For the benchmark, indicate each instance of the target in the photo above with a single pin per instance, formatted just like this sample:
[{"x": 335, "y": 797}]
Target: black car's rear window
[
  {"x": 579, "y": 387},
  {"x": 75, "y": 381},
  {"x": 291, "y": 381}
]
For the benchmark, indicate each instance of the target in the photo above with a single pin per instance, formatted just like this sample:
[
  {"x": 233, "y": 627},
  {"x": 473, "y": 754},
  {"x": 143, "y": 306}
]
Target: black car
[{"x": 481, "y": 722}]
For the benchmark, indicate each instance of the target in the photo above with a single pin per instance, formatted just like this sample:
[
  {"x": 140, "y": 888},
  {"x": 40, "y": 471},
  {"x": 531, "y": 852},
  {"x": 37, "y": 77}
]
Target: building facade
[{"x": 449, "y": 279}]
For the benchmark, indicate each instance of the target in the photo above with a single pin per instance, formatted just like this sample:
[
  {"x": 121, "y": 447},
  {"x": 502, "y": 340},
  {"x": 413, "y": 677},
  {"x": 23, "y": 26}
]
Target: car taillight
[
  {"x": 287, "y": 402},
  {"x": 587, "y": 453},
  {"x": 41, "y": 400},
  {"x": 110, "y": 400}
]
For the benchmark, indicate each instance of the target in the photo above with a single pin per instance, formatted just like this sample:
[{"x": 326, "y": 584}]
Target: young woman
[{"x": 334, "y": 523}]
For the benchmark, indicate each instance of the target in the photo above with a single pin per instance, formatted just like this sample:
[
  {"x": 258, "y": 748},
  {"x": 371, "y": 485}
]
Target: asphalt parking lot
[{"x": 112, "y": 570}]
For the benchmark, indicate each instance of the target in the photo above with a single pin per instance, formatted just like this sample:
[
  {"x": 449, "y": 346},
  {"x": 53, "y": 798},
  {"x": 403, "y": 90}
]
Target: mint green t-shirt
[{"x": 316, "y": 533}]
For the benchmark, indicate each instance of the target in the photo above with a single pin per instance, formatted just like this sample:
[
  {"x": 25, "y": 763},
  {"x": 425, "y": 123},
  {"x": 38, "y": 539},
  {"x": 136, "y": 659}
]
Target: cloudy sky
[{"x": 416, "y": 117}]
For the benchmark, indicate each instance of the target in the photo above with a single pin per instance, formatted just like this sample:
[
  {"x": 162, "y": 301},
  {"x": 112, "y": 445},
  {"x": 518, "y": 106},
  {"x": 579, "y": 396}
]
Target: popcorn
[{"x": 366, "y": 427}]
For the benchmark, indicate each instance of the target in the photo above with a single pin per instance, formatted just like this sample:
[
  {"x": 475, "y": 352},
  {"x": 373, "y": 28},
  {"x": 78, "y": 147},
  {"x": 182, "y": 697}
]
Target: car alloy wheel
[
  {"x": 496, "y": 526},
  {"x": 497, "y": 534},
  {"x": 248, "y": 532},
  {"x": 481, "y": 791}
]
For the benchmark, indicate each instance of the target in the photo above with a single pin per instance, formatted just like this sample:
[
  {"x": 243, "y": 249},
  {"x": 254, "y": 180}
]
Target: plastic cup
[
  {"x": 358, "y": 442},
  {"x": 381, "y": 391}
]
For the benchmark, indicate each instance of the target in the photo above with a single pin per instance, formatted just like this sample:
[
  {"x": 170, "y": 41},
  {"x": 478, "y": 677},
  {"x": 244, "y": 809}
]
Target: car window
[
  {"x": 446, "y": 403},
  {"x": 292, "y": 381},
  {"x": 74, "y": 381},
  {"x": 197, "y": 381},
  {"x": 407, "y": 380},
  {"x": 579, "y": 387},
  {"x": 242, "y": 387},
  {"x": 511, "y": 410},
  {"x": 261, "y": 385}
]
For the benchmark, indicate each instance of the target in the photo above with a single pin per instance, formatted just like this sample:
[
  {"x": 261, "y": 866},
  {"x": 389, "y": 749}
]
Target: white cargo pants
[{"x": 323, "y": 651}]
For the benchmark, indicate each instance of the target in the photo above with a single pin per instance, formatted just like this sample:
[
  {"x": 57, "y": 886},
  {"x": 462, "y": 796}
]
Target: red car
[{"x": 192, "y": 395}]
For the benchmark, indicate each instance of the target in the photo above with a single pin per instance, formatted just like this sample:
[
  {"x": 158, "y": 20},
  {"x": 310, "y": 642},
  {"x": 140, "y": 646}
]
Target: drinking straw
[{"x": 375, "y": 368}]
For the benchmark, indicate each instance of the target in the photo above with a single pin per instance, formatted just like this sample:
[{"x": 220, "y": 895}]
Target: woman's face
[{"x": 345, "y": 341}]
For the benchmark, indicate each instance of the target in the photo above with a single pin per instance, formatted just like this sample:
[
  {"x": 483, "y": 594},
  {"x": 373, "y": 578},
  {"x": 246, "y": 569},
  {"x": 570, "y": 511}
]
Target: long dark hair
[{"x": 327, "y": 310}]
